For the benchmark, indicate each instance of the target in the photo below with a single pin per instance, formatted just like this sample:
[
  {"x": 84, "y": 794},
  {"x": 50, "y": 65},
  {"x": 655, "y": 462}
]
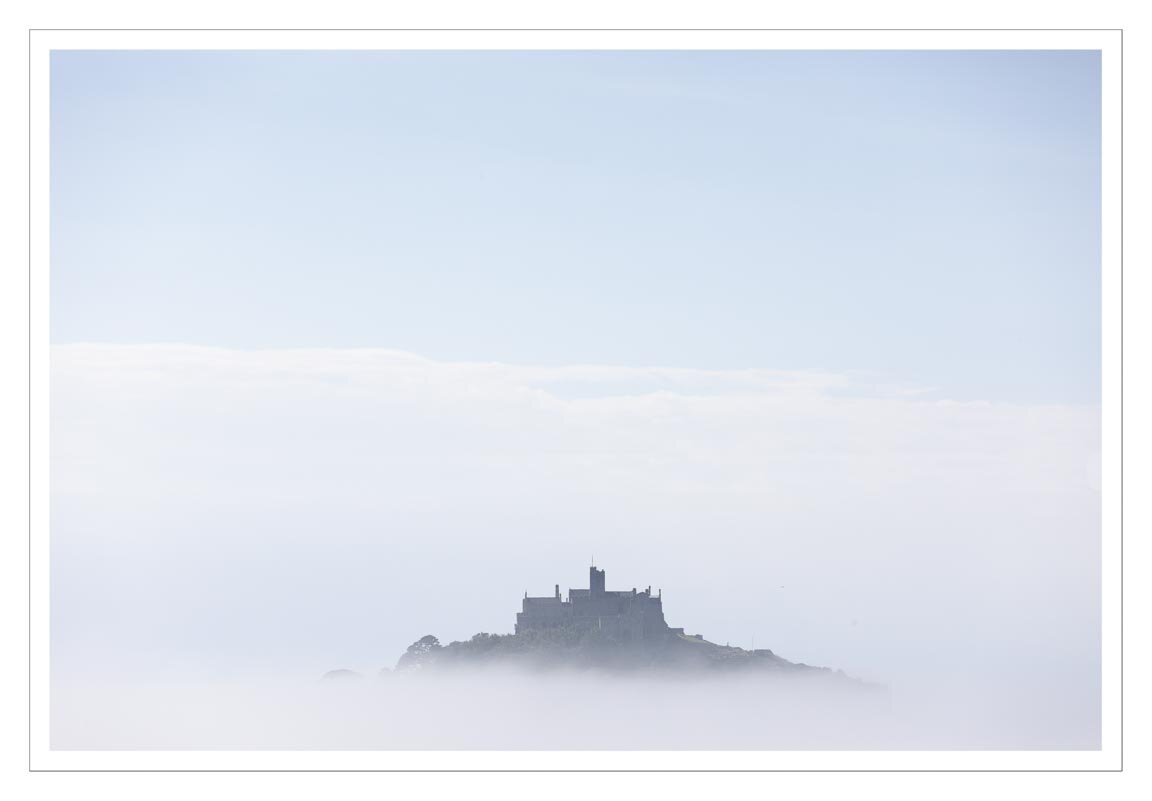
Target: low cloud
[{"x": 219, "y": 512}]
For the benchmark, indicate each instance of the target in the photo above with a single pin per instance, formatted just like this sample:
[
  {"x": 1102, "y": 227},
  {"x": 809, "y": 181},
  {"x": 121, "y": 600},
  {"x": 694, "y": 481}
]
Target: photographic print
[{"x": 640, "y": 405}]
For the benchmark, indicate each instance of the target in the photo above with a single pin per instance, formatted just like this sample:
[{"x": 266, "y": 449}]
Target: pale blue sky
[{"x": 932, "y": 217}]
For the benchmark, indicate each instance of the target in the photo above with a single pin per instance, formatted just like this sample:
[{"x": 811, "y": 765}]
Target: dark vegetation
[{"x": 583, "y": 648}]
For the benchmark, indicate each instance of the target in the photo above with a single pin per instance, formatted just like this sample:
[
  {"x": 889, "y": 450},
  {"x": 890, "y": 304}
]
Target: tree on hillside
[{"x": 419, "y": 653}]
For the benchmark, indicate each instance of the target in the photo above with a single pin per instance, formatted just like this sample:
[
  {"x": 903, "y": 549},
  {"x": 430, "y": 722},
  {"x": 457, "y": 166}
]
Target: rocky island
[{"x": 595, "y": 628}]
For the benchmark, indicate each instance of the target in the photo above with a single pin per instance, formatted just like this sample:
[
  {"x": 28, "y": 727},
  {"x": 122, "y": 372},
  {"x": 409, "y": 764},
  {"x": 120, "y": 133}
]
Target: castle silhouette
[{"x": 629, "y": 614}]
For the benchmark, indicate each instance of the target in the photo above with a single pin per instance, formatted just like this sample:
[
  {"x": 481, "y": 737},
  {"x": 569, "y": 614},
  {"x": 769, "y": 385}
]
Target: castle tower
[{"x": 595, "y": 581}]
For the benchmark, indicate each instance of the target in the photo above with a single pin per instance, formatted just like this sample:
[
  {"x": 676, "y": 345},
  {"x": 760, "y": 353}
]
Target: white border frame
[{"x": 1108, "y": 42}]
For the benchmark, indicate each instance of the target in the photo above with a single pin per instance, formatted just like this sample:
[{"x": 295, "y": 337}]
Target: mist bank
[
  {"x": 219, "y": 513},
  {"x": 505, "y": 709},
  {"x": 304, "y": 510}
]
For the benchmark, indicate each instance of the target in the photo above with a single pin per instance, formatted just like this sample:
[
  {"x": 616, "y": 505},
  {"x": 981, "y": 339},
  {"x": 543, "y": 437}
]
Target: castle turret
[{"x": 595, "y": 581}]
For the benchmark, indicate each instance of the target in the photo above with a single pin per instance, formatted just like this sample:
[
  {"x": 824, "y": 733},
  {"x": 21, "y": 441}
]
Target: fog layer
[{"x": 229, "y": 524}]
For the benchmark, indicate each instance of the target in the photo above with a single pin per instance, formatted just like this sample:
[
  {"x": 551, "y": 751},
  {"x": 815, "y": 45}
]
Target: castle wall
[{"x": 542, "y": 613}]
